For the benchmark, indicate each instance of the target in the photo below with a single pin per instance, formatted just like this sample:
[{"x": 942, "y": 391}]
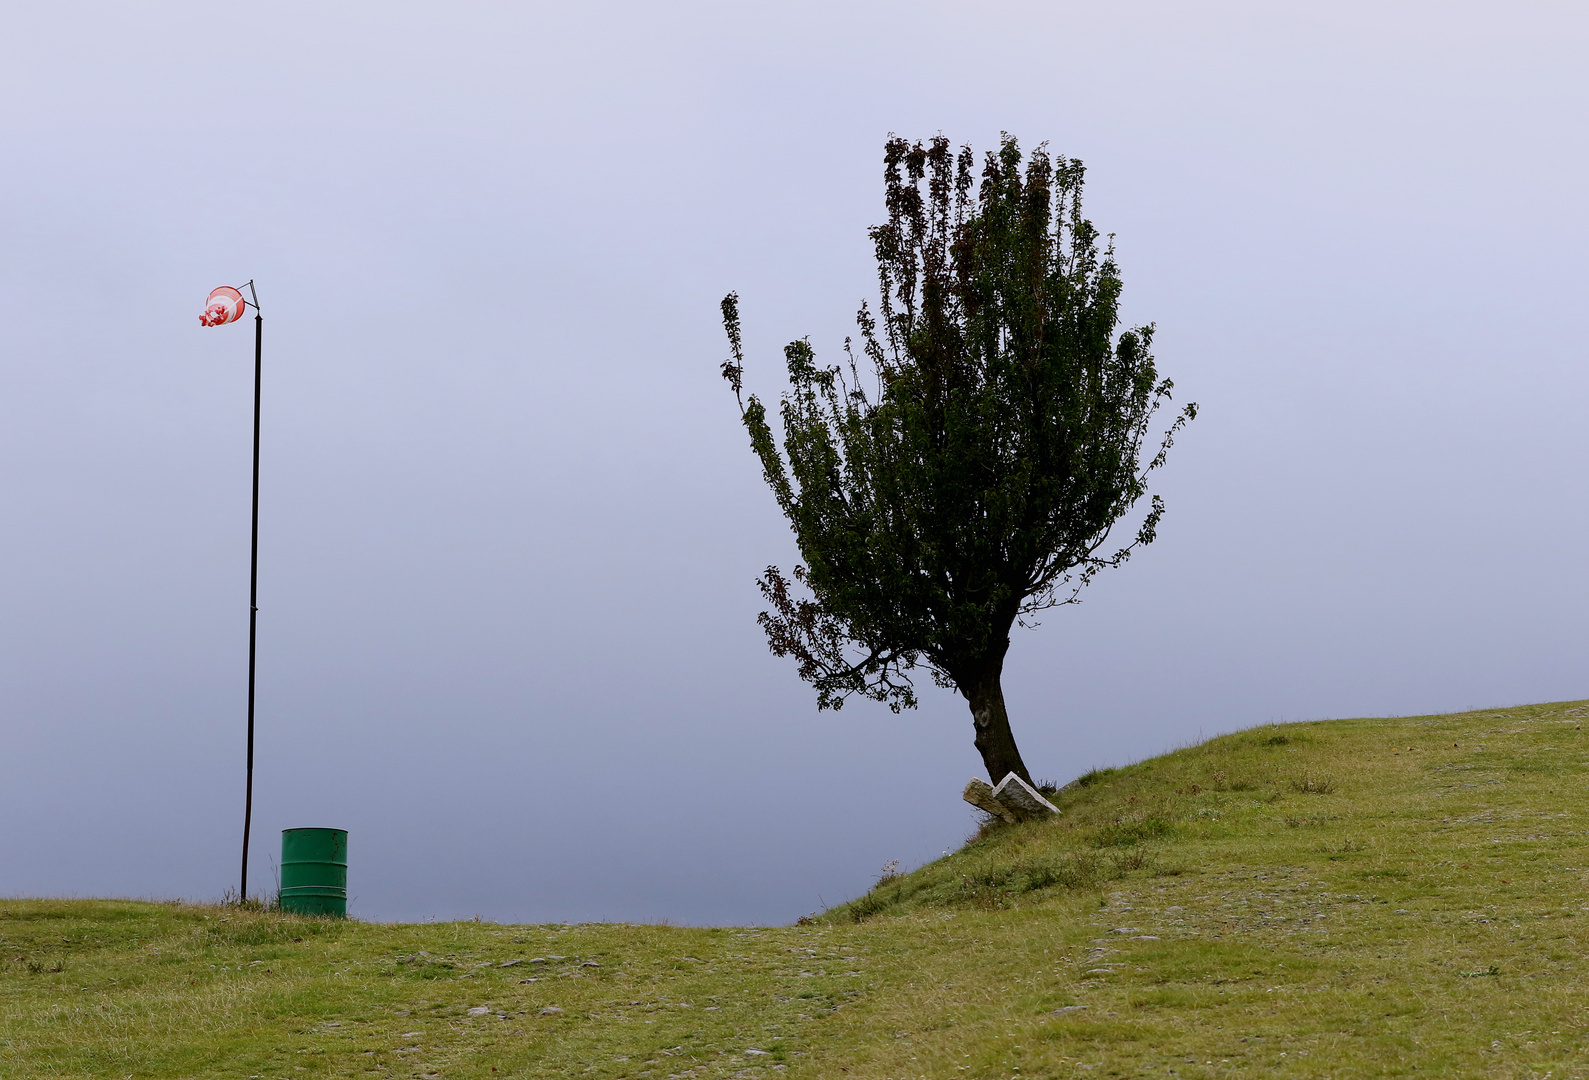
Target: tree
[{"x": 973, "y": 477}]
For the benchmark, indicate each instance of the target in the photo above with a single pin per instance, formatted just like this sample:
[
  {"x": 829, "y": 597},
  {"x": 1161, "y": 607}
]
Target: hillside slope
[{"x": 1343, "y": 898}]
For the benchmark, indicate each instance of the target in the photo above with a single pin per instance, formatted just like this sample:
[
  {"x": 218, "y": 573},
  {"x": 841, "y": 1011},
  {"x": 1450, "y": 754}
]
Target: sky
[{"x": 510, "y": 525}]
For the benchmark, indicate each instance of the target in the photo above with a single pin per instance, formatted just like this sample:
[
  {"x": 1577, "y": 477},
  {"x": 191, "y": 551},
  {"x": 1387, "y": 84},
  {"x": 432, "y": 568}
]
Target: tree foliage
[{"x": 965, "y": 469}]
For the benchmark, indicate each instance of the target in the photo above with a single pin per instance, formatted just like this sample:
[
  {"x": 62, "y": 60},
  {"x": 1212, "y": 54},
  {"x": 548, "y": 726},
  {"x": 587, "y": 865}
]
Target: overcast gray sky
[{"x": 510, "y": 523}]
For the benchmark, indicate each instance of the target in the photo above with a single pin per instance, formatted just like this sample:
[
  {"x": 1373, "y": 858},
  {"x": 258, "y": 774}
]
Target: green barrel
[{"x": 314, "y": 871}]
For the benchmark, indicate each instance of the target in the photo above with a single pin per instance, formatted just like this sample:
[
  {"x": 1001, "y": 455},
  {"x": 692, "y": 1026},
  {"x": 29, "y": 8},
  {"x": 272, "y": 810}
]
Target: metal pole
[{"x": 253, "y": 605}]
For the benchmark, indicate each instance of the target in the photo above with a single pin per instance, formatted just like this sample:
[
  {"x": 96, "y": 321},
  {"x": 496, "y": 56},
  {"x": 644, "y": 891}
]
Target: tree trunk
[{"x": 1000, "y": 755}]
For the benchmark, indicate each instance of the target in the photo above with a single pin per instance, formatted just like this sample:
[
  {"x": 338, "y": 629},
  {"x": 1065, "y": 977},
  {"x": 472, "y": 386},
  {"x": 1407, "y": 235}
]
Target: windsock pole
[
  {"x": 253, "y": 597},
  {"x": 226, "y": 305}
]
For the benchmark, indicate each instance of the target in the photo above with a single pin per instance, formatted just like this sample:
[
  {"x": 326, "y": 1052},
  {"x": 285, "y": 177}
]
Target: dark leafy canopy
[{"x": 973, "y": 476}]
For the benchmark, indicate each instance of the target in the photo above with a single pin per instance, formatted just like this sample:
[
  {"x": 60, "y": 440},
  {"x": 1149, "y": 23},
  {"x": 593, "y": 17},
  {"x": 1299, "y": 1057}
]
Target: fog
[{"x": 511, "y": 526}]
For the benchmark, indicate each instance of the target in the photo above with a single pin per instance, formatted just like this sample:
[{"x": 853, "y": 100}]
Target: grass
[{"x": 1340, "y": 899}]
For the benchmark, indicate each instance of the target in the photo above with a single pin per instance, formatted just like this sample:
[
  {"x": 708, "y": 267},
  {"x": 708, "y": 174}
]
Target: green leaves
[{"x": 973, "y": 474}]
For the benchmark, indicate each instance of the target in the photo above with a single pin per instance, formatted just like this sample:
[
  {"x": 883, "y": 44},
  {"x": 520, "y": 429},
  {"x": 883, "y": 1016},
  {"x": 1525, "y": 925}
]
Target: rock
[
  {"x": 550, "y": 1010},
  {"x": 1067, "y": 1009},
  {"x": 1023, "y": 799},
  {"x": 980, "y": 795},
  {"x": 1012, "y": 801},
  {"x": 590, "y": 963},
  {"x": 510, "y": 963},
  {"x": 479, "y": 1010}
]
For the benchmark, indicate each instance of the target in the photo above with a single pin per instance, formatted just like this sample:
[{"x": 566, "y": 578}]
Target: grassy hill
[{"x": 1344, "y": 898}]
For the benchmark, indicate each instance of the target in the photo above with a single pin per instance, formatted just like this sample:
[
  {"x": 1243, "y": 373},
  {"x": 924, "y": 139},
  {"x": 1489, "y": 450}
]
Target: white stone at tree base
[
  {"x": 1013, "y": 800},
  {"x": 979, "y": 793},
  {"x": 1022, "y": 797}
]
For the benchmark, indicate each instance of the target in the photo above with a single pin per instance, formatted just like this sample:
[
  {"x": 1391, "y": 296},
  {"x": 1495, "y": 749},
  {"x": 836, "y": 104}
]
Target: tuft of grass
[
  {"x": 1124, "y": 833},
  {"x": 1313, "y": 785},
  {"x": 231, "y": 898},
  {"x": 1195, "y": 912}
]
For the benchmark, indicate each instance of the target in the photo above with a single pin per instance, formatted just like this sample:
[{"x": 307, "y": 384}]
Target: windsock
[{"x": 224, "y": 305}]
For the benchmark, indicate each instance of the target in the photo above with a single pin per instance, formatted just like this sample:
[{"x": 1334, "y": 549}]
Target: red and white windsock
[{"x": 224, "y": 305}]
